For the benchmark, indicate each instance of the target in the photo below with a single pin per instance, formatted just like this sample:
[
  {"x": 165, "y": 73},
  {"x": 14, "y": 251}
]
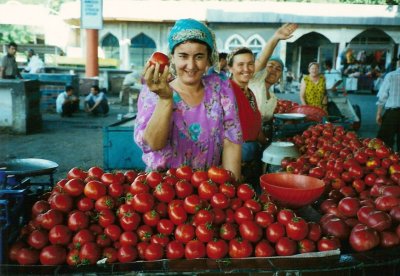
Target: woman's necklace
[{"x": 250, "y": 98}]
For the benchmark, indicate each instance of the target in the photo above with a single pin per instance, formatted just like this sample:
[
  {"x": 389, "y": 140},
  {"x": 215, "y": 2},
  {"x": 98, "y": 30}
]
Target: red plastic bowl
[
  {"x": 313, "y": 113},
  {"x": 292, "y": 190}
]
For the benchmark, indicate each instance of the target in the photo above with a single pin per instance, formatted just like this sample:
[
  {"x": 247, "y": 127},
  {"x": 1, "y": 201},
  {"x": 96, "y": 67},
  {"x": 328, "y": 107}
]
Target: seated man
[
  {"x": 67, "y": 103},
  {"x": 96, "y": 102}
]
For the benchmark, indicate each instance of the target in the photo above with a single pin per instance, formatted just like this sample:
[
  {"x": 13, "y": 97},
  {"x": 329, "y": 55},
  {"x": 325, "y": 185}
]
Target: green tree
[{"x": 18, "y": 34}]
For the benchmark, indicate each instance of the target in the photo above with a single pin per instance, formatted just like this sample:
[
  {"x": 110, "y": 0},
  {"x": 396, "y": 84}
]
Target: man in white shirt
[
  {"x": 35, "y": 64},
  {"x": 67, "y": 103},
  {"x": 96, "y": 102},
  {"x": 333, "y": 78}
]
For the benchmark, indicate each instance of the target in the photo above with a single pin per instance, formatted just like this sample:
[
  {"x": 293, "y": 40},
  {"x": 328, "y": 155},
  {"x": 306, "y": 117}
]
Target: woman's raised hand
[
  {"x": 156, "y": 81},
  {"x": 286, "y": 31}
]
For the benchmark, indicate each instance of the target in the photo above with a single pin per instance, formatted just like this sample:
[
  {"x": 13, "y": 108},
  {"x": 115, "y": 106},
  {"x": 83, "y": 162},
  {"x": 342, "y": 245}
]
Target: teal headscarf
[
  {"x": 188, "y": 29},
  {"x": 277, "y": 59}
]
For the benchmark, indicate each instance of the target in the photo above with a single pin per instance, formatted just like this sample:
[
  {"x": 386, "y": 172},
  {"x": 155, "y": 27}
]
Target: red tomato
[
  {"x": 314, "y": 231},
  {"x": 177, "y": 215},
  {"x": 227, "y": 189},
  {"x": 106, "y": 217},
  {"x": 15, "y": 247},
  {"x": 161, "y": 59},
  {"x": 115, "y": 190},
  {"x": 153, "y": 179},
  {"x": 264, "y": 249},
  {"x": 144, "y": 232},
  {"x": 153, "y": 252},
  {"x": 175, "y": 250},
  {"x": 207, "y": 189},
  {"x": 250, "y": 230},
  {"x": 128, "y": 238},
  {"x": 184, "y": 233},
  {"x": 193, "y": 203},
  {"x": 85, "y": 204},
  {"x": 164, "y": 192},
  {"x": 388, "y": 239},
  {"x": 243, "y": 214},
  {"x": 336, "y": 227},
  {"x": 38, "y": 239},
  {"x": 184, "y": 172},
  {"x": 328, "y": 243},
  {"x": 73, "y": 257},
  {"x": 61, "y": 202},
  {"x": 151, "y": 218},
  {"x": 94, "y": 189},
  {"x": 387, "y": 202},
  {"x": 285, "y": 247},
  {"x": 245, "y": 192},
  {"x": 160, "y": 239},
  {"x": 130, "y": 221},
  {"x": 77, "y": 173},
  {"x": 195, "y": 249},
  {"x": 379, "y": 220},
  {"x": 81, "y": 237},
  {"x": 125, "y": 209},
  {"x": 306, "y": 246},
  {"x": 111, "y": 254},
  {"x": 50, "y": 219},
  {"x": 27, "y": 256},
  {"x": 78, "y": 220},
  {"x": 264, "y": 219},
  {"x": 113, "y": 231},
  {"x": 285, "y": 215},
  {"x": 95, "y": 172},
  {"x": 228, "y": 231},
  {"x": 60, "y": 234},
  {"x": 253, "y": 204},
  {"x": 103, "y": 240},
  {"x": 53, "y": 255},
  {"x": 363, "y": 213},
  {"x": 40, "y": 207},
  {"x": 297, "y": 228},
  {"x": 219, "y": 216},
  {"x": 218, "y": 175},
  {"x": 165, "y": 226},
  {"x": 205, "y": 232},
  {"x": 183, "y": 189},
  {"x": 143, "y": 202},
  {"x": 271, "y": 208},
  {"x": 239, "y": 248},
  {"x": 363, "y": 238},
  {"x": 275, "y": 231},
  {"x": 127, "y": 254},
  {"x": 219, "y": 200},
  {"x": 141, "y": 247},
  {"x": 74, "y": 187},
  {"x": 198, "y": 177},
  {"x": 217, "y": 249},
  {"x": 138, "y": 187},
  {"x": 349, "y": 206}
]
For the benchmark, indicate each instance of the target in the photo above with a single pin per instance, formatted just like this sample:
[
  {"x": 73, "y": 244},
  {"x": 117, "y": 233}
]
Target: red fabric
[{"x": 250, "y": 120}]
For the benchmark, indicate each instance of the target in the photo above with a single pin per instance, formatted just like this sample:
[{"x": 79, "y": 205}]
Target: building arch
[
  {"x": 234, "y": 42},
  {"x": 256, "y": 43},
  {"x": 110, "y": 46},
  {"x": 142, "y": 46}
]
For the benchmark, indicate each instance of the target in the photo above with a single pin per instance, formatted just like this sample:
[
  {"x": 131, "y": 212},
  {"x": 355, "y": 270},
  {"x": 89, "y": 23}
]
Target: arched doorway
[
  {"x": 141, "y": 48},
  {"x": 110, "y": 46}
]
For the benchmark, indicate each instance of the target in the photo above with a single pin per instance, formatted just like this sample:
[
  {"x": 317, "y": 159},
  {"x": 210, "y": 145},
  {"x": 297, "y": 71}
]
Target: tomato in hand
[{"x": 161, "y": 59}]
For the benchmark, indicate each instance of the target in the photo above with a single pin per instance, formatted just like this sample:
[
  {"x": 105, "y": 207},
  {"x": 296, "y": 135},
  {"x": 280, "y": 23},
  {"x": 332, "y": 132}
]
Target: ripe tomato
[
  {"x": 184, "y": 172},
  {"x": 284, "y": 216},
  {"x": 183, "y": 189},
  {"x": 328, "y": 243},
  {"x": 275, "y": 231},
  {"x": 153, "y": 252},
  {"x": 73, "y": 257},
  {"x": 207, "y": 189},
  {"x": 164, "y": 192},
  {"x": 151, "y": 218},
  {"x": 271, "y": 208},
  {"x": 264, "y": 249},
  {"x": 175, "y": 250},
  {"x": 89, "y": 253},
  {"x": 103, "y": 240},
  {"x": 94, "y": 189},
  {"x": 40, "y": 207},
  {"x": 74, "y": 187},
  {"x": 219, "y": 200},
  {"x": 61, "y": 202},
  {"x": 77, "y": 173},
  {"x": 141, "y": 247},
  {"x": 219, "y": 216},
  {"x": 205, "y": 232},
  {"x": 53, "y": 255},
  {"x": 85, "y": 204},
  {"x": 245, "y": 192},
  {"x": 227, "y": 189},
  {"x": 285, "y": 247},
  {"x": 306, "y": 246},
  {"x": 50, "y": 219},
  {"x": 195, "y": 249},
  {"x": 250, "y": 230},
  {"x": 217, "y": 249},
  {"x": 130, "y": 176},
  {"x": 193, "y": 203},
  {"x": 37, "y": 239},
  {"x": 115, "y": 190},
  {"x": 379, "y": 220},
  {"x": 143, "y": 202},
  {"x": 138, "y": 187},
  {"x": 128, "y": 238},
  {"x": 161, "y": 59},
  {"x": 15, "y": 247},
  {"x": 253, "y": 204},
  {"x": 388, "y": 239},
  {"x": 218, "y": 175},
  {"x": 113, "y": 231},
  {"x": 95, "y": 172},
  {"x": 363, "y": 238},
  {"x": 77, "y": 220},
  {"x": 177, "y": 215},
  {"x": 165, "y": 226},
  {"x": 228, "y": 231},
  {"x": 314, "y": 231},
  {"x": 111, "y": 254},
  {"x": 160, "y": 239},
  {"x": 387, "y": 202},
  {"x": 243, "y": 214},
  {"x": 349, "y": 206},
  {"x": 144, "y": 232},
  {"x": 130, "y": 221},
  {"x": 127, "y": 254},
  {"x": 239, "y": 248},
  {"x": 184, "y": 233},
  {"x": 198, "y": 177},
  {"x": 297, "y": 228},
  {"x": 106, "y": 217},
  {"x": 60, "y": 234},
  {"x": 153, "y": 179},
  {"x": 27, "y": 256},
  {"x": 264, "y": 219},
  {"x": 81, "y": 237},
  {"x": 336, "y": 227}
]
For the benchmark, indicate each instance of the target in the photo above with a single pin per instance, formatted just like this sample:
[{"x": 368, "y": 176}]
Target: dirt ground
[{"x": 70, "y": 142}]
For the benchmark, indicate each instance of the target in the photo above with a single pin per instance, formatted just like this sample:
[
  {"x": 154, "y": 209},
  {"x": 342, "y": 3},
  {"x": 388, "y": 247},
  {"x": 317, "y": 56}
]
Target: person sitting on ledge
[
  {"x": 67, "y": 103},
  {"x": 96, "y": 102}
]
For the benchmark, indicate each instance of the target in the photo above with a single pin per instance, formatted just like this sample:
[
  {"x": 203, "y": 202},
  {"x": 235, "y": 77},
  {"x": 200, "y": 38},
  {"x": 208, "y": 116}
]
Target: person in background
[
  {"x": 131, "y": 79},
  {"x": 96, "y": 102},
  {"x": 333, "y": 78},
  {"x": 222, "y": 66},
  {"x": 389, "y": 99},
  {"x": 35, "y": 64},
  {"x": 191, "y": 120},
  {"x": 312, "y": 88},
  {"x": 268, "y": 72},
  {"x": 67, "y": 103},
  {"x": 8, "y": 66}
]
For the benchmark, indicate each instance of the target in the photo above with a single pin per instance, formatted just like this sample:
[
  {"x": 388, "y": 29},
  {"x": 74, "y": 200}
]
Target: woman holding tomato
[
  {"x": 191, "y": 120},
  {"x": 242, "y": 66}
]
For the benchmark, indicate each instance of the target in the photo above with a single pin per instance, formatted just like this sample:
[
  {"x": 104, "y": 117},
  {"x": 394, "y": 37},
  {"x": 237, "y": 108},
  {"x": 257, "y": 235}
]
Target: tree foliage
[{"x": 18, "y": 34}]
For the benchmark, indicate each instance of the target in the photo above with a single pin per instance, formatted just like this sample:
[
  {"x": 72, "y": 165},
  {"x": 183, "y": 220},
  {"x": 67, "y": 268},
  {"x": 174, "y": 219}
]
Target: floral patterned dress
[
  {"x": 315, "y": 92},
  {"x": 197, "y": 133}
]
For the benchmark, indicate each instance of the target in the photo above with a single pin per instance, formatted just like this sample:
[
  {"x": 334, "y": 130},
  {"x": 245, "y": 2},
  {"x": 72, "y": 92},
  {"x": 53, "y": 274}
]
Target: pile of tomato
[
  {"x": 362, "y": 176},
  {"x": 128, "y": 216},
  {"x": 284, "y": 106}
]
